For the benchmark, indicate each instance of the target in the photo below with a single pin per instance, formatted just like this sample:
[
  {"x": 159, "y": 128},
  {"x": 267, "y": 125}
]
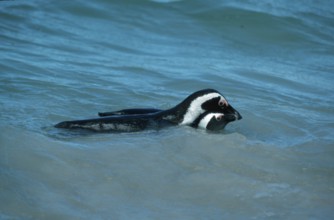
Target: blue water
[{"x": 68, "y": 60}]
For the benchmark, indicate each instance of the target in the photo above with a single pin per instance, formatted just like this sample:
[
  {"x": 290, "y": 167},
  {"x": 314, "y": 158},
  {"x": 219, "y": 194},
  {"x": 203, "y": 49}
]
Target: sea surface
[{"x": 66, "y": 60}]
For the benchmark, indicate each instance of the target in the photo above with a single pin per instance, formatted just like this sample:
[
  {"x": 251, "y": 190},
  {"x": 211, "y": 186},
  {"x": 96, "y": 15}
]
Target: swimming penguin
[
  {"x": 214, "y": 121},
  {"x": 188, "y": 112},
  {"x": 208, "y": 120}
]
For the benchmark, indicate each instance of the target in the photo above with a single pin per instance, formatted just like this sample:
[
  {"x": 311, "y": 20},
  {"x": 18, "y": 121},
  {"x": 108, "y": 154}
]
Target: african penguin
[
  {"x": 192, "y": 110},
  {"x": 214, "y": 121}
]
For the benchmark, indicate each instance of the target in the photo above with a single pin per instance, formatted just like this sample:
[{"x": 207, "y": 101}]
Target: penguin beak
[
  {"x": 237, "y": 115},
  {"x": 231, "y": 114}
]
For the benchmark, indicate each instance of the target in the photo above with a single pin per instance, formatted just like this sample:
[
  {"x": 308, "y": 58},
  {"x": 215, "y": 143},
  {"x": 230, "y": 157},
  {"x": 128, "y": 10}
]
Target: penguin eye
[
  {"x": 222, "y": 103},
  {"x": 219, "y": 117}
]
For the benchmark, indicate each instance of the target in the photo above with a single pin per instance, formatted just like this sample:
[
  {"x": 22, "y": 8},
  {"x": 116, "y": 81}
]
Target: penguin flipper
[{"x": 132, "y": 111}]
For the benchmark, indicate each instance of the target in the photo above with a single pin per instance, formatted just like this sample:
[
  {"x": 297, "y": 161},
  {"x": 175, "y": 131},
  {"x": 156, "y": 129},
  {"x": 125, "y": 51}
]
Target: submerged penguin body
[{"x": 119, "y": 123}]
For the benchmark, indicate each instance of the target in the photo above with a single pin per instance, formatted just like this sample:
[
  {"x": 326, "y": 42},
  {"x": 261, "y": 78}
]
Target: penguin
[
  {"x": 214, "y": 121},
  {"x": 208, "y": 120},
  {"x": 192, "y": 112}
]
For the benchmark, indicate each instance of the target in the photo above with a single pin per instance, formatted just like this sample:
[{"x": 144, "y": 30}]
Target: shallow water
[{"x": 62, "y": 61}]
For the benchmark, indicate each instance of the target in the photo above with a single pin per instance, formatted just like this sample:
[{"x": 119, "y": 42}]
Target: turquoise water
[{"x": 69, "y": 60}]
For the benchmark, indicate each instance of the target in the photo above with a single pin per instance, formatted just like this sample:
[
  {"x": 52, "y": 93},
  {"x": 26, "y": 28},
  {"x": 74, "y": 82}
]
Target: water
[{"x": 68, "y": 60}]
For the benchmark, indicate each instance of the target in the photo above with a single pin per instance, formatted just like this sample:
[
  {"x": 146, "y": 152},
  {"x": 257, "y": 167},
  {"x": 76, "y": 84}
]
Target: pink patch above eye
[{"x": 223, "y": 103}]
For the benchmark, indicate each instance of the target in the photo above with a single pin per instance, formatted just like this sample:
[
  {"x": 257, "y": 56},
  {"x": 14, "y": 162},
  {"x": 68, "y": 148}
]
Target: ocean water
[{"x": 66, "y": 60}]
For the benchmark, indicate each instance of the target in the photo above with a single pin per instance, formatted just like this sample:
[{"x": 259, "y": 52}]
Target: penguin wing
[{"x": 131, "y": 111}]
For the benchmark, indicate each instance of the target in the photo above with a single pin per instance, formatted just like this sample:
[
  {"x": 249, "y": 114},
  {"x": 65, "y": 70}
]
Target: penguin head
[
  {"x": 207, "y": 100},
  {"x": 214, "y": 121}
]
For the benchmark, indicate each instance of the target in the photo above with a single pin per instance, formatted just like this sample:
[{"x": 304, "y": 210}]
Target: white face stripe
[
  {"x": 195, "y": 109},
  {"x": 205, "y": 121}
]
